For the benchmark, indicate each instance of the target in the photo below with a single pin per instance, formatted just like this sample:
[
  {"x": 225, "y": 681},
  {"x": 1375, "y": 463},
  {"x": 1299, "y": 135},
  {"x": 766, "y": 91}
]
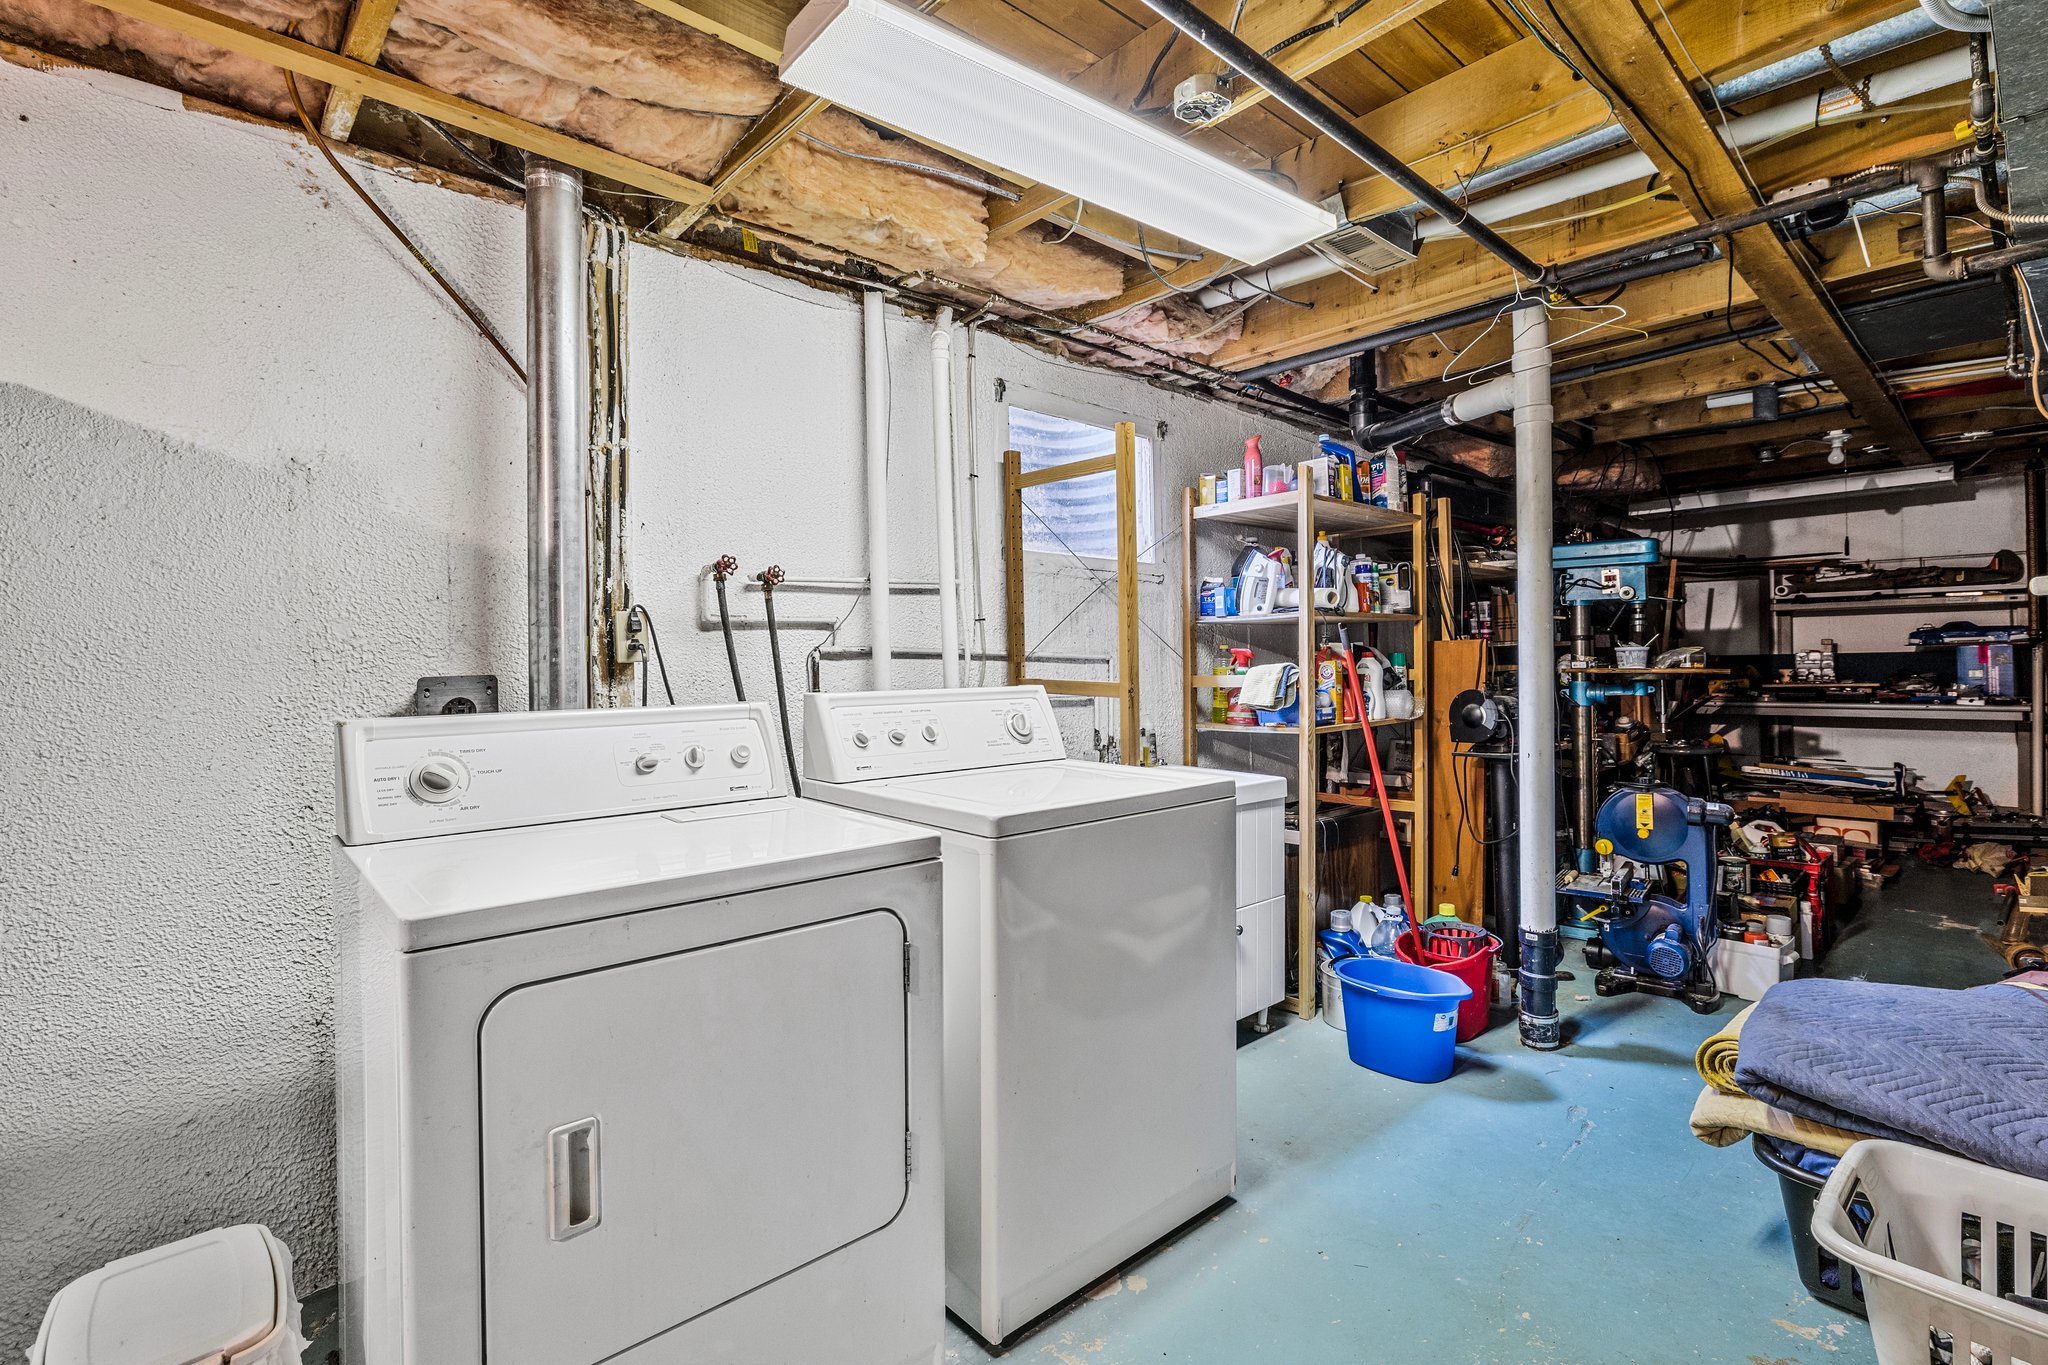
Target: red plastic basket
[{"x": 1466, "y": 953}]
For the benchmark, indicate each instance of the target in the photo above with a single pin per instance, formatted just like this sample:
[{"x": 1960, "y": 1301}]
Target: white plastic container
[
  {"x": 224, "y": 1296},
  {"x": 1931, "y": 1224},
  {"x": 1747, "y": 970}
]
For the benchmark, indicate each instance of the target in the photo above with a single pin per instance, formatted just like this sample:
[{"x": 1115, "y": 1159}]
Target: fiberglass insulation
[
  {"x": 190, "y": 64},
  {"x": 688, "y": 144}
]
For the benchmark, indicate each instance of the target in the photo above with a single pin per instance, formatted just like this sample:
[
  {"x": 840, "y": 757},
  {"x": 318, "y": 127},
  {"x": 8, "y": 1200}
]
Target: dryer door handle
[{"x": 575, "y": 1205}]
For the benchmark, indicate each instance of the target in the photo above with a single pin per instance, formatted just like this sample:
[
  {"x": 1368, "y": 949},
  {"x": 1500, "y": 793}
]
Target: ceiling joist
[
  {"x": 369, "y": 23},
  {"x": 346, "y": 73},
  {"x": 1615, "y": 46}
]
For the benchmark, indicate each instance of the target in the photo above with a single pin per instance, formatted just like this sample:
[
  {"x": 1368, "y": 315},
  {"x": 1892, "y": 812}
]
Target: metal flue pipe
[
  {"x": 1535, "y": 681},
  {"x": 942, "y": 497},
  {"x": 557, "y": 427},
  {"x": 875, "y": 398},
  {"x": 1216, "y": 36}
]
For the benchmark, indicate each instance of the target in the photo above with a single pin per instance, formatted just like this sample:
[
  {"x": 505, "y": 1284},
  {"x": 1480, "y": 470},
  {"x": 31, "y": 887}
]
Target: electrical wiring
[
  {"x": 1990, "y": 210},
  {"x": 2033, "y": 312},
  {"x": 1584, "y": 214},
  {"x": 1074, "y": 225},
  {"x": 654, "y": 639},
  {"x": 1152, "y": 74},
  {"x": 1145, "y": 255},
  {"x": 1720, "y": 109},
  {"x": 1728, "y": 317},
  {"x": 903, "y": 163},
  {"x": 469, "y": 310},
  {"x": 468, "y": 154}
]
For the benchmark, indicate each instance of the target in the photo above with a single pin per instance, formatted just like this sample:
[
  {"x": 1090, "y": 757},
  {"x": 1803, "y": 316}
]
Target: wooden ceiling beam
[
  {"x": 1617, "y": 49},
  {"x": 783, "y": 121},
  {"x": 755, "y": 26},
  {"x": 369, "y": 24},
  {"x": 1453, "y": 273},
  {"x": 250, "y": 40}
]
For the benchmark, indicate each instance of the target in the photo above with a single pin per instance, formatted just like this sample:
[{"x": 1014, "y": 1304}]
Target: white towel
[{"x": 1266, "y": 687}]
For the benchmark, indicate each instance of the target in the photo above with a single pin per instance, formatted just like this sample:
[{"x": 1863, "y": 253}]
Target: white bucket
[{"x": 1631, "y": 656}]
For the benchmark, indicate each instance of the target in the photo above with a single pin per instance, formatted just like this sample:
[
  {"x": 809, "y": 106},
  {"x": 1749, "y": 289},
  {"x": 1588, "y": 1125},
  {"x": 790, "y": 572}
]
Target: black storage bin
[{"x": 1826, "y": 1278}]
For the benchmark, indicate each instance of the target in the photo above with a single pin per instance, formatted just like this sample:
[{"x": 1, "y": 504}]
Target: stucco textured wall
[{"x": 260, "y": 476}]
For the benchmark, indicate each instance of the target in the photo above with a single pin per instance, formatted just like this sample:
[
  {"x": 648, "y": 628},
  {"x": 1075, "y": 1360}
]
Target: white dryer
[
  {"x": 1091, "y": 1082},
  {"x": 637, "y": 1055}
]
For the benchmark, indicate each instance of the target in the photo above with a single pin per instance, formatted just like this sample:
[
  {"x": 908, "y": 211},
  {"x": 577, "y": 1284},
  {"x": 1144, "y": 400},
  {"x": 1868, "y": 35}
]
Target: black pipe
[
  {"x": 1693, "y": 254},
  {"x": 1218, "y": 38},
  {"x": 1364, "y": 395},
  {"x": 1502, "y": 852},
  {"x": 769, "y": 577},
  {"x": 1542, "y": 950},
  {"x": 722, "y": 570},
  {"x": 1580, "y": 373}
]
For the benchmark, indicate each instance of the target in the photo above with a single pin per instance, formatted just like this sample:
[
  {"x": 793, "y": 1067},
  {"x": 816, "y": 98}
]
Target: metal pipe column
[
  {"x": 1535, "y": 680},
  {"x": 942, "y": 497},
  {"x": 557, "y": 427},
  {"x": 1585, "y": 743},
  {"x": 875, "y": 382}
]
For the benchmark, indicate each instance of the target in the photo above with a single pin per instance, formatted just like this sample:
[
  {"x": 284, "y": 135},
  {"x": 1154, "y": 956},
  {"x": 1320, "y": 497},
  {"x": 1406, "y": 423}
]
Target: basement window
[{"x": 1076, "y": 518}]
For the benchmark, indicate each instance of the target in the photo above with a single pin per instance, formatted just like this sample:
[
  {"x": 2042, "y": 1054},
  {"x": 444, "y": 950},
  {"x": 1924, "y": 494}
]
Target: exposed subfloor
[{"x": 1534, "y": 1208}]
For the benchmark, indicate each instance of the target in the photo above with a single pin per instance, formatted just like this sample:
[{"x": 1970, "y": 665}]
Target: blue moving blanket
[{"x": 1966, "y": 1071}]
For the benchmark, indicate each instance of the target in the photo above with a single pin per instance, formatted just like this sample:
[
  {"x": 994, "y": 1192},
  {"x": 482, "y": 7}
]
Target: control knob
[
  {"x": 741, "y": 755},
  {"x": 930, "y": 733},
  {"x": 896, "y": 735},
  {"x": 693, "y": 757},
  {"x": 646, "y": 763},
  {"x": 438, "y": 779},
  {"x": 1020, "y": 726}
]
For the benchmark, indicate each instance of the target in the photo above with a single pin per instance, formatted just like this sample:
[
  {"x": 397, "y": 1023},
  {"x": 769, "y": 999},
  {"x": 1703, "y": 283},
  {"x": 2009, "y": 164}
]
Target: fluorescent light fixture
[
  {"x": 911, "y": 72},
  {"x": 1741, "y": 398},
  {"x": 1841, "y": 485}
]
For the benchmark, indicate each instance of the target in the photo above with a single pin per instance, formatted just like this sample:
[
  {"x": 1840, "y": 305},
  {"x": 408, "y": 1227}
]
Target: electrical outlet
[
  {"x": 461, "y": 695},
  {"x": 629, "y": 638}
]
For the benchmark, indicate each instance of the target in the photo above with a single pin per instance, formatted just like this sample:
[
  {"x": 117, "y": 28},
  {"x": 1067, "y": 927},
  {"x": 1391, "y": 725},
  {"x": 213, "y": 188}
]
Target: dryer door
[{"x": 662, "y": 1137}]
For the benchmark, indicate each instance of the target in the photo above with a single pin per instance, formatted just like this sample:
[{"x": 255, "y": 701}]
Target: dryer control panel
[
  {"x": 855, "y": 736},
  {"x": 410, "y": 777}
]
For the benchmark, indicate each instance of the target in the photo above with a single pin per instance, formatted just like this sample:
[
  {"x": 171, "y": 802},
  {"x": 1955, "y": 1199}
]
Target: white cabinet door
[
  {"x": 661, "y": 1137},
  {"x": 1261, "y": 955}
]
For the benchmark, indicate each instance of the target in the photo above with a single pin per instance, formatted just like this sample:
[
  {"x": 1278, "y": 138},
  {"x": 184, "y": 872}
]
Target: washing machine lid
[
  {"x": 1024, "y": 798},
  {"x": 189, "y": 1303},
  {"x": 465, "y": 887}
]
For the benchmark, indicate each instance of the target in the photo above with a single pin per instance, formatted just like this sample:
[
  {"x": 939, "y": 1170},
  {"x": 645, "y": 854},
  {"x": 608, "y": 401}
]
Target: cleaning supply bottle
[
  {"x": 1326, "y": 690},
  {"x": 1254, "y": 468},
  {"x": 1219, "y": 697},
  {"x": 1372, "y": 680},
  {"x": 1238, "y": 711}
]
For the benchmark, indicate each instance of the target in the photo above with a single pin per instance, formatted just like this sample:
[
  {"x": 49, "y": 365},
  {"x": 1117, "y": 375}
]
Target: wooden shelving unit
[{"x": 1354, "y": 526}]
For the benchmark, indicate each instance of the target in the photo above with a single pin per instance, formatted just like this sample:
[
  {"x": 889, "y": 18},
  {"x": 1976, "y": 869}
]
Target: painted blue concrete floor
[{"x": 1533, "y": 1208}]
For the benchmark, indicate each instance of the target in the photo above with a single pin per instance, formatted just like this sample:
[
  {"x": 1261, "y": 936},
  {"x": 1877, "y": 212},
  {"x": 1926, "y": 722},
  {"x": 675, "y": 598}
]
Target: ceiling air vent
[{"x": 1372, "y": 247}]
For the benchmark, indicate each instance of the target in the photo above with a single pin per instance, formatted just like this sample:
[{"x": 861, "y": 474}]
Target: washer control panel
[
  {"x": 412, "y": 776},
  {"x": 853, "y": 736}
]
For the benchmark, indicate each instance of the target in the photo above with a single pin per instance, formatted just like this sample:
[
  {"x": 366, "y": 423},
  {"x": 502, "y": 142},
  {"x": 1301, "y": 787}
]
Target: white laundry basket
[{"x": 1924, "y": 1230}]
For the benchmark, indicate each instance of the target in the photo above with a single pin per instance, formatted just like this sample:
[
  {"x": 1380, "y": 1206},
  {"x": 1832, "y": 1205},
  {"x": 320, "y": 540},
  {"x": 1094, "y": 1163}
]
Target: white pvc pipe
[
  {"x": 875, "y": 376},
  {"x": 1800, "y": 115},
  {"x": 942, "y": 497},
  {"x": 1536, "y": 678}
]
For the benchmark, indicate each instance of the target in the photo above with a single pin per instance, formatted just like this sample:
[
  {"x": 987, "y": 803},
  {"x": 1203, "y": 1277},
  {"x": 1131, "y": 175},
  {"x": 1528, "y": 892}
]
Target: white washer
[
  {"x": 1091, "y": 1077},
  {"x": 637, "y": 1055}
]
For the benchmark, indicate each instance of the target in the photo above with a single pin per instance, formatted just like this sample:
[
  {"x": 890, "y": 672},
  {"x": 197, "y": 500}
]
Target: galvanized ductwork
[{"x": 557, "y": 426}]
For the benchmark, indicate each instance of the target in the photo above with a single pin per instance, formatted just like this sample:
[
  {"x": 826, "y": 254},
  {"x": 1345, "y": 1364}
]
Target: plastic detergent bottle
[
  {"x": 1254, "y": 468},
  {"x": 1372, "y": 680},
  {"x": 1219, "y": 697}
]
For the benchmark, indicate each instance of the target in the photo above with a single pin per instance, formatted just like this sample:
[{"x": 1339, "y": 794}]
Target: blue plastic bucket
[{"x": 1401, "y": 1019}]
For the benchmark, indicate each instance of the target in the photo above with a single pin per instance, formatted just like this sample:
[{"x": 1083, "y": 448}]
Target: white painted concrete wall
[
  {"x": 1974, "y": 518},
  {"x": 261, "y": 476}
]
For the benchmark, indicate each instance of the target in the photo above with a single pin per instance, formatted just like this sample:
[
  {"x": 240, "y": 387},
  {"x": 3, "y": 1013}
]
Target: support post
[
  {"x": 557, "y": 426},
  {"x": 875, "y": 383},
  {"x": 942, "y": 497},
  {"x": 1536, "y": 681}
]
